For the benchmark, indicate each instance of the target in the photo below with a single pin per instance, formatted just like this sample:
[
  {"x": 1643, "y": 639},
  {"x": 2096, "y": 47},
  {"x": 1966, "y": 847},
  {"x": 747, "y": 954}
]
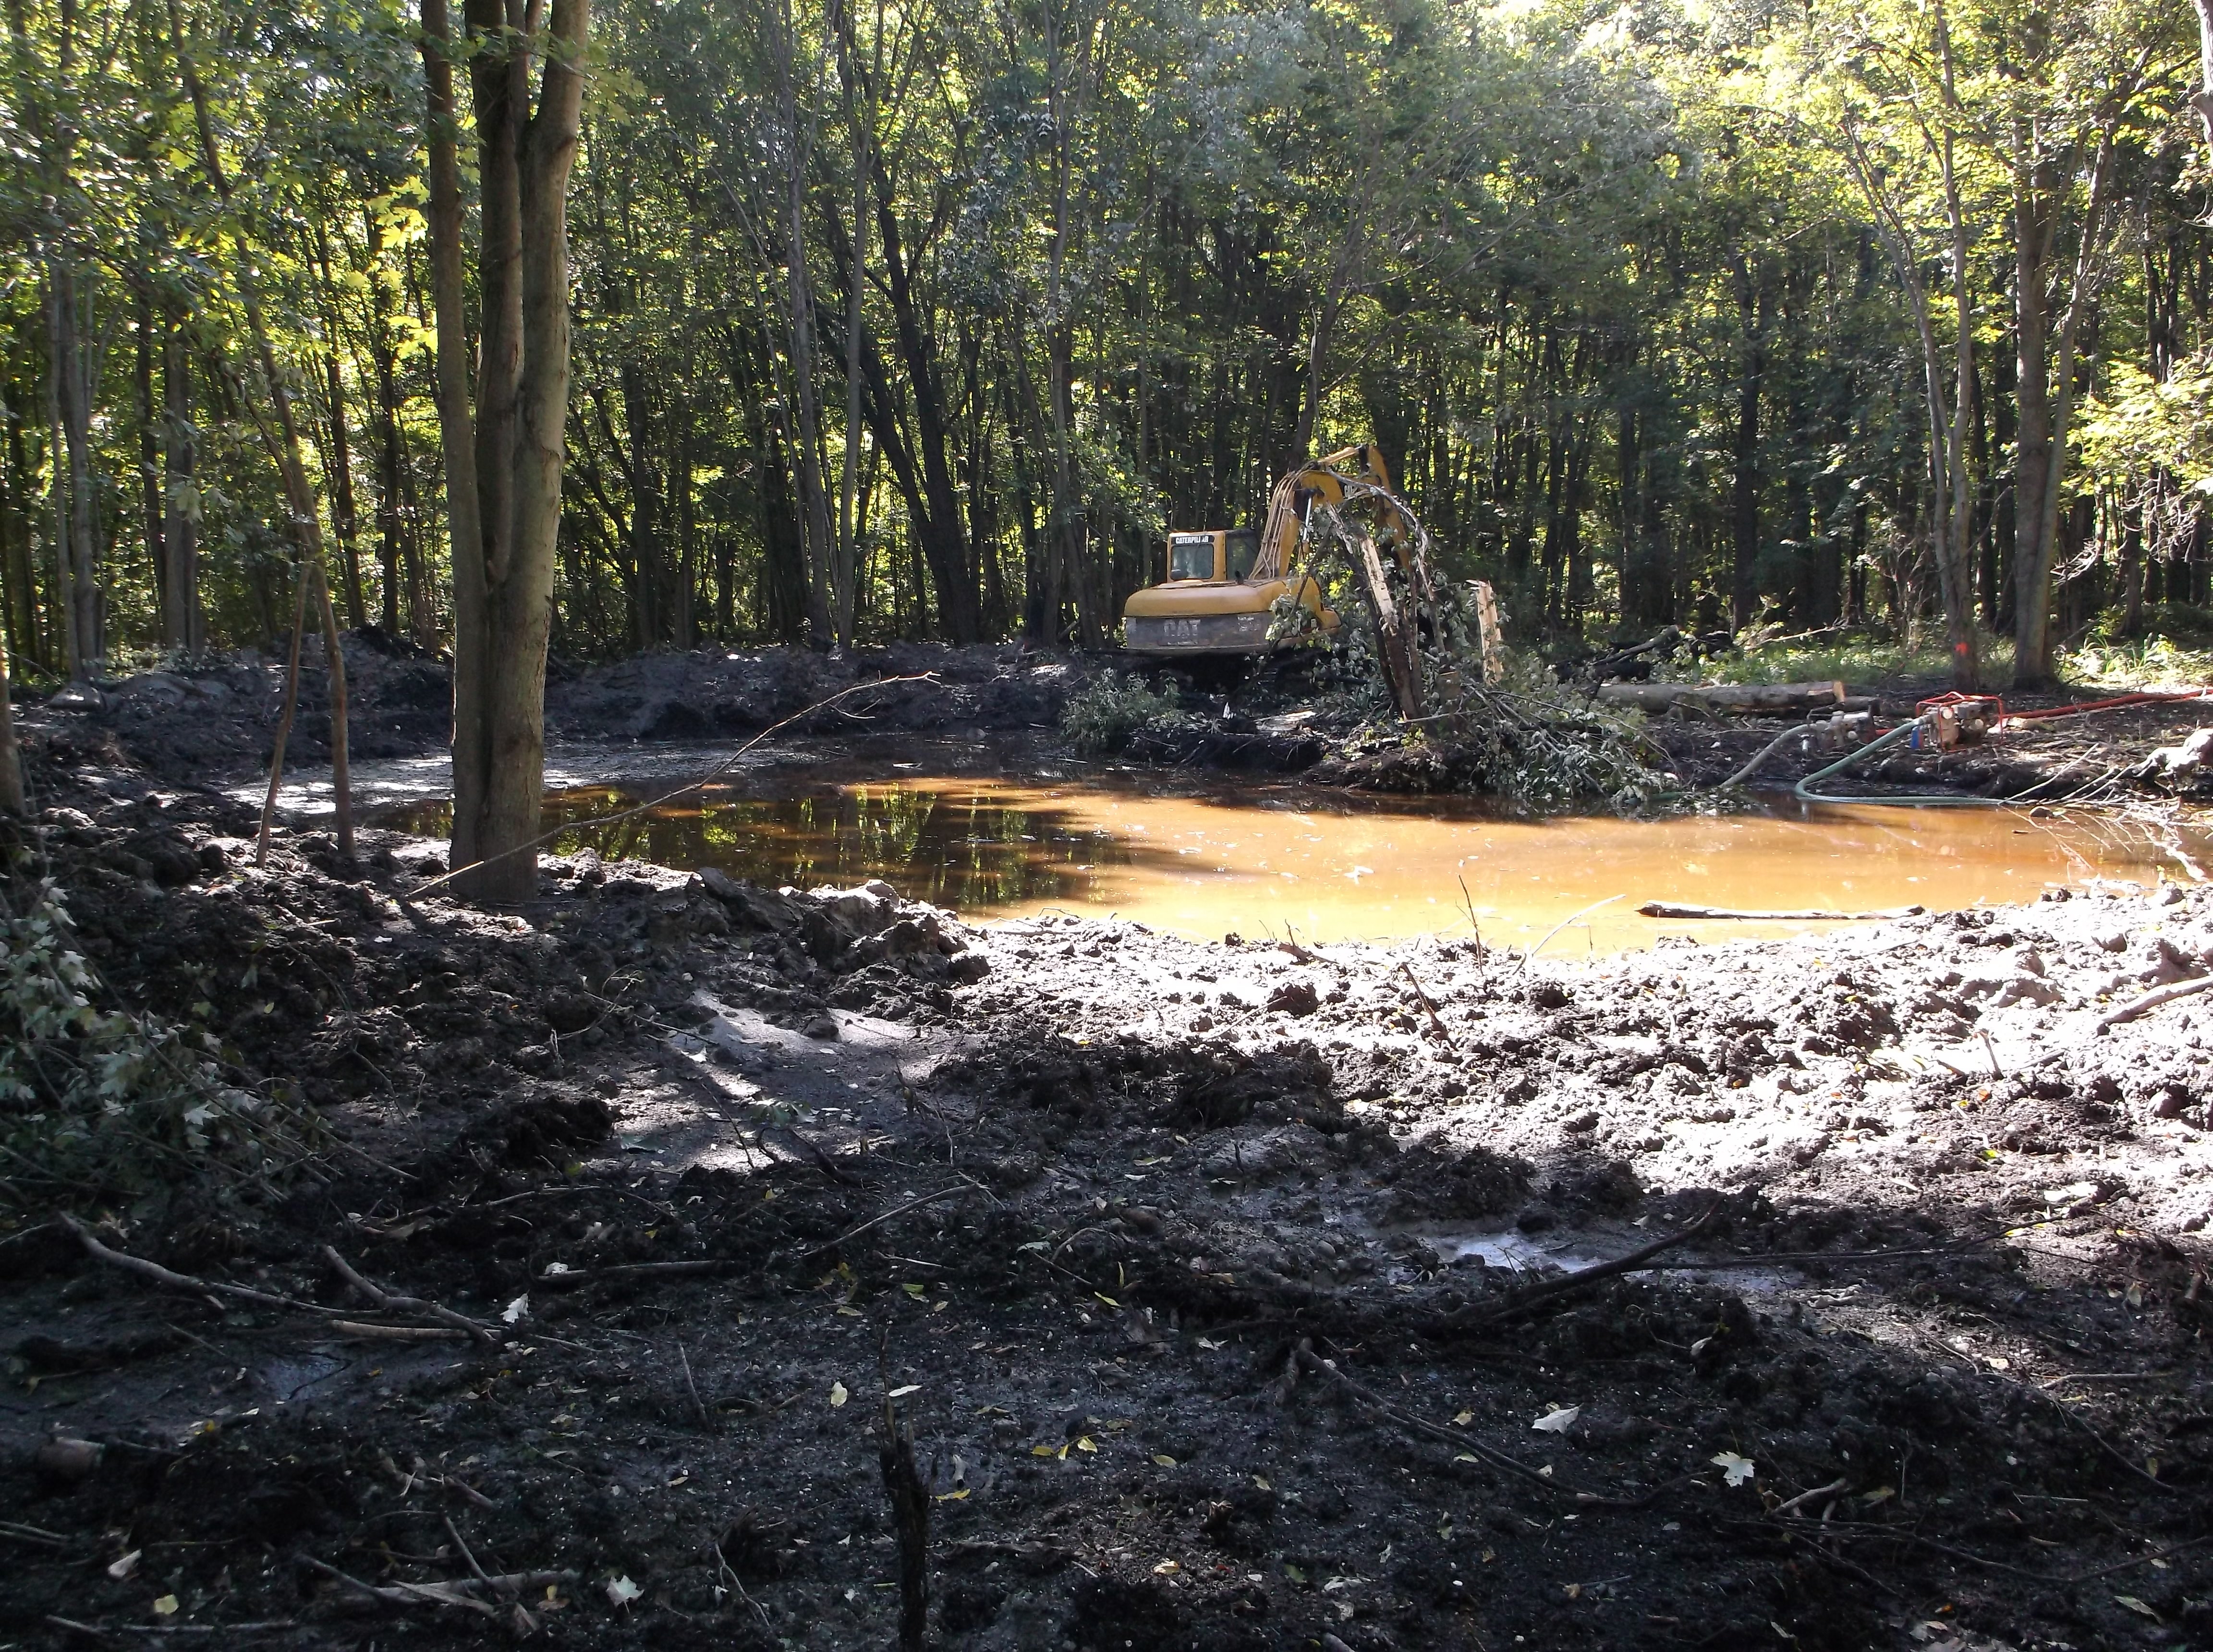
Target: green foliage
[
  {"x": 2176, "y": 652},
  {"x": 1106, "y": 713},
  {"x": 1863, "y": 656},
  {"x": 2138, "y": 425},
  {"x": 1544, "y": 748},
  {"x": 1624, "y": 296},
  {"x": 98, "y": 1102}
]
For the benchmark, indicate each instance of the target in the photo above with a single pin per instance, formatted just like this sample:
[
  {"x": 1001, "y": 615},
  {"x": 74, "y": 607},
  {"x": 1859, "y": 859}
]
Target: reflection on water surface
[{"x": 1266, "y": 859}]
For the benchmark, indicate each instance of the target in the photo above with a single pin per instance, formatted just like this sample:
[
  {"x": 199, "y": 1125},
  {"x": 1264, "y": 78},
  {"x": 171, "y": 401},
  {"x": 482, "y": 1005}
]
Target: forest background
[{"x": 927, "y": 318}]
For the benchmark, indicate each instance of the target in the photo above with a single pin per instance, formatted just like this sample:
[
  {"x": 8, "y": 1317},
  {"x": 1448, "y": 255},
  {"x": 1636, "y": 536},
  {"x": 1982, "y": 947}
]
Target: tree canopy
[{"x": 927, "y": 318}]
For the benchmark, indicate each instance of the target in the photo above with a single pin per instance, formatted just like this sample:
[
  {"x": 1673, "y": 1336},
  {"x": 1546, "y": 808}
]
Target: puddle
[
  {"x": 1541, "y": 1255},
  {"x": 1273, "y": 859},
  {"x": 1513, "y": 1251},
  {"x": 292, "y": 1375}
]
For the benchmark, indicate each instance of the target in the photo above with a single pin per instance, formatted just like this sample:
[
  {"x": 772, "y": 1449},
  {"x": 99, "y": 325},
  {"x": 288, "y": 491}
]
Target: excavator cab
[{"x": 1223, "y": 583}]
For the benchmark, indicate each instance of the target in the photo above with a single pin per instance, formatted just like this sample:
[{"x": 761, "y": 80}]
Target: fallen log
[
  {"x": 1738, "y": 700},
  {"x": 1670, "y": 909}
]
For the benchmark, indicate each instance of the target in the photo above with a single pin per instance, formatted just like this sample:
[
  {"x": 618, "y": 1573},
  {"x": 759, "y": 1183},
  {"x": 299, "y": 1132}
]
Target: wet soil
[{"x": 1223, "y": 1287}]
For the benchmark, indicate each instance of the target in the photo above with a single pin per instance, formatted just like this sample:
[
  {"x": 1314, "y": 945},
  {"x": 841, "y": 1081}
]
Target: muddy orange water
[{"x": 1263, "y": 859}]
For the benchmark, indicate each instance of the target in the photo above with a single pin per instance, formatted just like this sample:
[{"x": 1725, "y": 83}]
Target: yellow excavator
[{"x": 1223, "y": 581}]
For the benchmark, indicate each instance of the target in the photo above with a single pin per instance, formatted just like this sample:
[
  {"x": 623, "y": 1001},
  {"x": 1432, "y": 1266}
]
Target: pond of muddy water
[{"x": 1262, "y": 859}]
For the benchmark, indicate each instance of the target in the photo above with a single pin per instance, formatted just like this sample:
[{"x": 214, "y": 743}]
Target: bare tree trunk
[
  {"x": 861, "y": 117},
  {"x": 1752, "y": 305},
  {"x": 345, "y": 519},
  {"x": 682, "y": 619},
  {"x": 182, "y": 623},
  {"x": 1955, "y": 572},
  {"x": 1953, "y": 505},
  {"x": 149, "y": 462},
  {"x": 11, "y": 761},
  {"x": 69, "y": 388},
  {"x": 79, "y": 551},
  {"x": 389, "y": 451},
  {"x": 2202, "y": 99},
  {"x": 503, "y": 492},
  {"x": 806, "y": 432},
  {"x": 1069, "y": 539},
  {"x": 2045, "y": 393}
]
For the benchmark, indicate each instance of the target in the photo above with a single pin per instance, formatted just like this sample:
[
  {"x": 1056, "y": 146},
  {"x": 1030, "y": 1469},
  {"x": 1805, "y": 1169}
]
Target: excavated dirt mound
[{"x": 1235, "y": 1296}]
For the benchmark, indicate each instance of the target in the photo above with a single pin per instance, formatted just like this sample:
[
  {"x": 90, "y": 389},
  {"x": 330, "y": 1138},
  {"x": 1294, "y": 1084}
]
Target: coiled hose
[{"x": 1803, "y": 790}]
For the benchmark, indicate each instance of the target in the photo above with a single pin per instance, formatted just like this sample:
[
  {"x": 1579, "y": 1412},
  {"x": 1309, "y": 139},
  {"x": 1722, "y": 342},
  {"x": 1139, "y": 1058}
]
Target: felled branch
[
  {"x": 214, "y": 1289},
  {"x": 462, "y": 1593},
  {"x": 384, "y": 1299}
]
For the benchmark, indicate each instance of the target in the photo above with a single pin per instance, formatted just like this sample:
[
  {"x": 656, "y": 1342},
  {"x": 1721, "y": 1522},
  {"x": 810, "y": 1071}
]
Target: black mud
[{"x": 1221, "y": 1284}]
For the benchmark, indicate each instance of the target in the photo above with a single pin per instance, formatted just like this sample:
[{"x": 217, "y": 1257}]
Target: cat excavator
[{"x": 1222, "y": 582}]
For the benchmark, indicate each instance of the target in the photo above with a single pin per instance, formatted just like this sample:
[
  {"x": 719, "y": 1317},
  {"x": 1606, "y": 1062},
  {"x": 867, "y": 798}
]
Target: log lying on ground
[
  {"x": 1737, "y": 698},
  {"x": 1669, "y": 908}
]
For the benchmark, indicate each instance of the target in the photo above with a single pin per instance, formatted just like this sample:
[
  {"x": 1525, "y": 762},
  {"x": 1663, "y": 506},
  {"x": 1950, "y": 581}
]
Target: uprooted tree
[{"x": 1428, "y": 652}]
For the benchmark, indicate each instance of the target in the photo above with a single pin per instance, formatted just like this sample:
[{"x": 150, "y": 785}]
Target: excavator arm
[{"x": 1325, "y": 481}]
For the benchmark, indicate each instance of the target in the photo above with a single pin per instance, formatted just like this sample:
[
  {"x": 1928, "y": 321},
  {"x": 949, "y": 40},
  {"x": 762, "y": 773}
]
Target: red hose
[{"x": 2160, "y": 697}]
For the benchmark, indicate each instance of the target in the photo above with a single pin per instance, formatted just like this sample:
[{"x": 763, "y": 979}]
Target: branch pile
[{"x": 1470, "y": 715}]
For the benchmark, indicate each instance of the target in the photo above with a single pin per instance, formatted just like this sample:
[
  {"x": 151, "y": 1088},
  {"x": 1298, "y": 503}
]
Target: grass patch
[
  {"x": 2173, "y": 649},
  {"x": 1856, "y": 657},
  {"x": 2149, "y": 662}
]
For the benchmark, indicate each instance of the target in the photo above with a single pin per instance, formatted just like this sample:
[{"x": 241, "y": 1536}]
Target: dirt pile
[{"x": 1238, "y": 1296}]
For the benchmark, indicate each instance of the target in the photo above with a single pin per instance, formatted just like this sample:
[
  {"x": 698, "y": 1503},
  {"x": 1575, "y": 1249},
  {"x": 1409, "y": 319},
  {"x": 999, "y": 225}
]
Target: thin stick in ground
[
  {"x": 693, "y": 1389},
  {"x": 909, "y": 1500},
  {"x": 283, "y": 717},
  {"x": 341, "y": 768}
]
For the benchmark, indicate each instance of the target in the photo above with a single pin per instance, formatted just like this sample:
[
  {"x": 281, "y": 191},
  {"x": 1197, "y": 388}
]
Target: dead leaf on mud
[
  {"x": 838, "y": 1395},
  {"x": 516, "y": 1311},
  {"x": 166, "y": 1607},
  {"x": 1557, "y": 1422},
  {"x": 122, "y": 1568},
  {"x": 2137, "y": 1606},
  {"x": 621, "y": 1591},
  {"x": 901, "y": 1392},
  {"x": 1735, "y": 1470}
]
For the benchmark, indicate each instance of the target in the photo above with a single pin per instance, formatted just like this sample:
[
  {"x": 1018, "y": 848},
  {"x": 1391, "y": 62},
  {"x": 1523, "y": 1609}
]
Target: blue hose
[{"x": 1803, "y": 790}]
